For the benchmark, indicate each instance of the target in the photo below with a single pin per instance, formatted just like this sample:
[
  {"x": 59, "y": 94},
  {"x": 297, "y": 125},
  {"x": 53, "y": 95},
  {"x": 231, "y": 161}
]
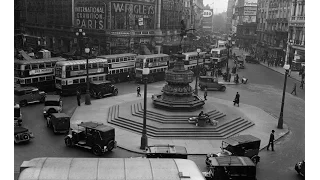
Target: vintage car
[
  {"x": 26, "y": 95},
  {"x": 17, "y": 115},
  {"x": 231, "y": 167},
  {"x": 22, "y": 134},
  {"x": 251, "y": 59},
  {"x": 211, "y": 83},
  {"x": 98, "y": 137},
  {"x": 59, "y": 122},
  {"x": 300, "y": 168},
  {"x": 52, "y": 104},
  {"x": 240, "y": 62},
  {"x": 99, "y": 89},
  {"x": 242, "y": 145},
  {"x": 166, "y": 151}
]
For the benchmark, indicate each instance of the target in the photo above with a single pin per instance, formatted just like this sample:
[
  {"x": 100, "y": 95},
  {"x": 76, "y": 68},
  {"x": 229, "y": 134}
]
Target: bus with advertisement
[
  {"x": 36, "y": 72},
  {"x": 191, "y": 58},
  {"x": 71, "y": 76},
  {"x": 157, "y": 64},
  {"x": 121, "y": 66},
  {"x": 217, "y": 56}
]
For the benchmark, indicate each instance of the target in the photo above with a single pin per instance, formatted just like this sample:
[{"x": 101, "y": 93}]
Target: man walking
[
  {"x": 78, "y": 97},
  {"x": 271, "y": 140},
  {"x": 236, "y": 99},
  {"x": 138, "y": 91},
  {"x": 302, "y": 83},
  {"x": 205, "y": 94},
  {"x": 294, "y": 89}
]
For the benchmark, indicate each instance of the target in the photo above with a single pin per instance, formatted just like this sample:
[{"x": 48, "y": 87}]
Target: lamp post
[
  {"x": 197, "y": 72},
  {"x": 87, "y": 96},
  {"x": 144, "y": 138},
  {"x": 228, "y": 47},
  {"x": 280, "y": 121},
  {"x": 81, "y": 34}
]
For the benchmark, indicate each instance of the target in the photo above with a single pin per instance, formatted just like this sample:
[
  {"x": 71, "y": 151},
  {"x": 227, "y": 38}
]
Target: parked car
[
  {"x": 251, "y": 59},
  {"x": 17, "y": 115},
  {"x": 99, "y": 89},
  {"x": 59, "y": 122},
  {"x": 22, "y": 134},
  {"x": 211, "y": 83},
  {"x": 95, "y": 136},
  {"x": 52, "y": 104},
  {"x": 166, "y": 151},
  {"x": 242, "y": 145},
  {"x": 26, "y": 95},
  {"x": 300, "y": 168}
]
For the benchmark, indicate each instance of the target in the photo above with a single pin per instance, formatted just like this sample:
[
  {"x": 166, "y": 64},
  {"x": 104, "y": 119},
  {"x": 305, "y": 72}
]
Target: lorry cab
[{"x": 59, "y": 122}]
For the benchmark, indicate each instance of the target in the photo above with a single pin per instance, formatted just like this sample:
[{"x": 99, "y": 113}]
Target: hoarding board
[
  {"x": 249, "y": 19},
  {"x": 250, "y": 11},
  {"x": 250, "y": 2}
]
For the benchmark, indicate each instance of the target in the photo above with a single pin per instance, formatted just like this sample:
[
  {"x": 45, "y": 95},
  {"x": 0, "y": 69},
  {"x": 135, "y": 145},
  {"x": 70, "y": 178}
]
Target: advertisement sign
[
  {"x": 249, "y": 19},
  {"x": 90, "y": 16},
  {"x": 83, "y": 72},
  {"x": 250, "y": 2},
  {"x": 207, "y": 16},
  {"x": 40, "y": 71},
  {"x": 136, "y": 10},
  {"x": 250, "y": 11},
  {"x": 207, "y": 13}
]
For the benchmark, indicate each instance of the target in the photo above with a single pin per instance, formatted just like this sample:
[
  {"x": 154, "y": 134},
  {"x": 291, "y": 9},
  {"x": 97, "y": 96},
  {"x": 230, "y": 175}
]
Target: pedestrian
[
  {"x": 271, "y": 140},
  {"x": 78, "y": 97},
  {"x": 236, "y": 99},
  {"x": 138, "y": 91},
  {"x": 294, "y": 89},
  {"x": 205, "y": 94},
  {"x": 302, "y": 83}
]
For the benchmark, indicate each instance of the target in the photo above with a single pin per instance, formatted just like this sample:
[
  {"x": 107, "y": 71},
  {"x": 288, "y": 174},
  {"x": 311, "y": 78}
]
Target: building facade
[
  {"x": 273, "y": 22},
  {"x": 230, "y": 12},
  {"x": 246, "y": 11},
  {"x": 112, "y": 27}
]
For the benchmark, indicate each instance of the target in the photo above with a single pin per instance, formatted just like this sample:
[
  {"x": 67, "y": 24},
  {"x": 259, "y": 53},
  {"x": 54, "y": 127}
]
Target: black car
[
  {"x": 99, "y": 89},
  {"x": 251, "y": 59}
]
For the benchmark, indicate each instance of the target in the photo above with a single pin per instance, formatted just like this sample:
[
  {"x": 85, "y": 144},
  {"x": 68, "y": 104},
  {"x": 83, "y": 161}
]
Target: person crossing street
[
  {"x": 294, "y": 90},
  {"x": 138, "y": 91},
  {"x": 271, "y": 140}
]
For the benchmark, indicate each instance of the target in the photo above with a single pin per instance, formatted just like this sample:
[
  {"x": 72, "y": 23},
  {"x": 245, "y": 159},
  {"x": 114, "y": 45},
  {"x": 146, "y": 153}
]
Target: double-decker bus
[
  {"x": 121, "y": 66},
  {"x": 71, "y": 76},
  {"x": 157, "y": 64},
  {"x": 191, "y": 58},
  {"x": 217, "y": 56},
  {"x": 36, "y": 72}
]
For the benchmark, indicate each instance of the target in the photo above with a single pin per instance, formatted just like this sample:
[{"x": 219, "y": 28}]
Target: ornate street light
[
  {"x": 87, "y": 96},
  {"x": 228, "y": 46},
  {"x": 197, "y": 71},
  {"x": 144, "y": 137},
  {"x": 280, "y": 121}
]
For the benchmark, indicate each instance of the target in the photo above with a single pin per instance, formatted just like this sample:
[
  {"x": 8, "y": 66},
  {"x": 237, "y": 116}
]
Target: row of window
[
  {"x": 34, "y": 66},
  {"x": 195, "y": 57},
  {"x": 80, "y": 80},
  {"x": 83, "y": 66},
  {"x": 122, "y": 70},
  {"x": 121, "y": 59},
  {"x": 36, "y": 79}
]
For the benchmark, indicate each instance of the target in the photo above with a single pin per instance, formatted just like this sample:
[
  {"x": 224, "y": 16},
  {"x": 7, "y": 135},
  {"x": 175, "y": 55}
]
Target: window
[
  {"x": 68, "y": 68},
  {"x": 35, "y": 66},
  {"x": 82, "y": 67},
  {"x": 100, "y": 78},
  {"x": 125, "y": 59},
  {"x": 121, "y": 59},
  {"x": 113, "y": 60},
  {"x": 49, "y": 78},
  {"x": 28, "y": 81},
  {"x": 118, "y": 59},
  {"x": 48, "y": 65},
  {"x": 112, "y": 71},
  {"x": 95, "y": 79},
  {"x": 27, "y": 67},
  {"x": 82, "y": 80},
  {"x": 100, "y": 65},
  {"x": 35, "y": 80},
  {"x": 117, "y": 71},
  {"x": 125, "y": 69},
  {"x": 41, "y": 65},
  {"x": 109, "y": 60},
  {"x": 75, "y": 67},
  {"x": 94, "y": 65},
  {"x": 41, "y": 79},
  {"x": 121, "y": 70},
  {"x": 76, "y": 81}
]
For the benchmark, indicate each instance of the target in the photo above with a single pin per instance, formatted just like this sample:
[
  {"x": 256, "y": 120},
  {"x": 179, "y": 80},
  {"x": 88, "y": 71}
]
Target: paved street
[{"x": 264, "y": 90}]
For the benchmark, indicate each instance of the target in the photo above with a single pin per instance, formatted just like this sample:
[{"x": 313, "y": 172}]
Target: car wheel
[
  {"x": 115, "y": 92},
  {"x": 99, "y": 95},
  {"x": 223, "y": 89},
  {"x": 23, "y": 103},
  {"x": 110, "y": 145},
  {"x": 68, "y": 142},
  {"x": 97, "y": 150}
]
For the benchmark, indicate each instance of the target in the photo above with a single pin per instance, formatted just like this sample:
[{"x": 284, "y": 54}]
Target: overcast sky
[{"x": 218, "y": 5}]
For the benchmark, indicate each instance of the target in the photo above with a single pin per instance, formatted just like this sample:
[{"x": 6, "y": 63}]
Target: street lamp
[
  {"x": 280, "y": 122},
  {"x": 81, "y": 34},
  {"x": 87, "y": 96},
  {"x": 197, "y": 72},
  {"x": 228, "y": 45},
  {"x": 144, "y": 138}
]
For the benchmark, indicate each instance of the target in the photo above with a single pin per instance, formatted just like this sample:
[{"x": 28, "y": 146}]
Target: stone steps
[{"x": 225, "y": 130}]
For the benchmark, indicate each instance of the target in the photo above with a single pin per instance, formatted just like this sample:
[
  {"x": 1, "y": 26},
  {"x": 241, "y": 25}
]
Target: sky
[{"x": 219, "y": 6}]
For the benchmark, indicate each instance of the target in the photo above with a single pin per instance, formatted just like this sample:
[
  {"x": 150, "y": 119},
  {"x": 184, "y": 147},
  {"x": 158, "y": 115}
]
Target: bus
[
  {"x": 121, "y": 67},
  {"x": 71, "y": 76},
  {"x": 217, "y": 56},
  {"x": 109, "y": 168},
  {"x": 191, "y": 58},
  {"x": 157, "y": 64},
  {"x": 36, "y": 72}
]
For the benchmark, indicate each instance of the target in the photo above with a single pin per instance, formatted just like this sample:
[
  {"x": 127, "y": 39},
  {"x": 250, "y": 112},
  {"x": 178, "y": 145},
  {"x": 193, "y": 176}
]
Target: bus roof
[
  {"x": 109, "y": 168},
  {"x": 37, "y": 61},
  {"x": 116, "y": 55},
  {"x": 192, "y": 53},
  {"x": 218, "y": 49},
  {"x": 152, "y": 56},
  {"x": 82, "y": 61}
]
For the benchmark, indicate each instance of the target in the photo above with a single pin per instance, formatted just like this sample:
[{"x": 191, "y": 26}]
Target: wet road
[{"x": 264, "y": 90}]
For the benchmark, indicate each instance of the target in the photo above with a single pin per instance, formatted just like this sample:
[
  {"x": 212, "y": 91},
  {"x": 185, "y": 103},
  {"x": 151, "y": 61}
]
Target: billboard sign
[
  {"x": 207, "y": 13},
  {"x": 206, "y": 21},
  {"x": 250, "y": 2},
  {"x": 250, "y": 11},
  {"x": 90, "y": 16},
  {"x": 249, "y": 19}
]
